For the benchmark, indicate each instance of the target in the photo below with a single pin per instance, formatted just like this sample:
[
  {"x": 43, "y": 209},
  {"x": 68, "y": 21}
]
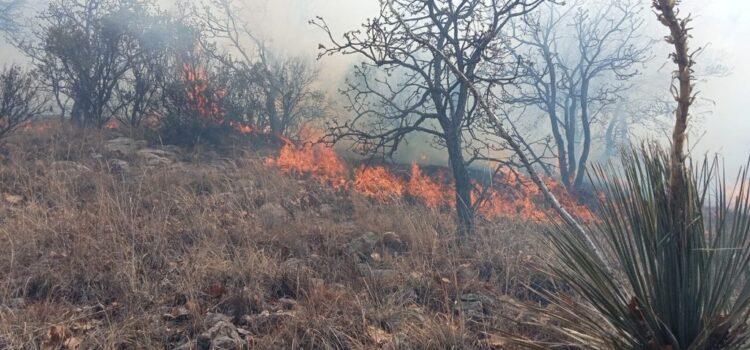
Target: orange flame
[
  {"x": 318, "y": 161},
  {"x": 37, "y": 126},
  {"x": 199, "y": 95},
  {"x": 379, "y": 183},
  {"x": 112, "y": 124},
  {"x": 511, "y": 194},
  {"x": 432, "y": 193}
]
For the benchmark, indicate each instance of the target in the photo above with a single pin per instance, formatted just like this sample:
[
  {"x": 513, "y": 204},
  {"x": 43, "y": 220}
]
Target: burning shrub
[
  {"x": 194, "y": 108},
  {"x": 20, "y": 99}
]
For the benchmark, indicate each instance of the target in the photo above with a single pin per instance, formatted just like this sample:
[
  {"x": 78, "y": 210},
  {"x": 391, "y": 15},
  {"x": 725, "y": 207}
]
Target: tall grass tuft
[{"x": 670, "y": 290}]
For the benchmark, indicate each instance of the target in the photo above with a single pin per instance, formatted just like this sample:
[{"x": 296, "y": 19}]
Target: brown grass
[{"x": 106, "y": 255}]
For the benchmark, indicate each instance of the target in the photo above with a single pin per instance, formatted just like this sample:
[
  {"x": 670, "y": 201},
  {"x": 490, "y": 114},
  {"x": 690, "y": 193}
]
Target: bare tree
[
  {"x": 80, "y": 49},
  {"x": 8, "y": 14},
  {"x": 284, "y": 86},
  {"x": 158, "y": 41},
  {"x": 578, "y": 60},
  {"x": 21, "y": 99},
  {"x": 403, "y": 87}
]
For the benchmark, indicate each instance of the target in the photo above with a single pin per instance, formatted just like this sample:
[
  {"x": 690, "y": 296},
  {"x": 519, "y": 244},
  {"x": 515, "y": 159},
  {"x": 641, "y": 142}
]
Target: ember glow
[
  {"x": 510, "y": 194},
  {"x": 38, "y": 126},
  {"x": 112, "y": 124},
  {"x": 242, "y": 128},
  {"x": 207, "y": 100}
]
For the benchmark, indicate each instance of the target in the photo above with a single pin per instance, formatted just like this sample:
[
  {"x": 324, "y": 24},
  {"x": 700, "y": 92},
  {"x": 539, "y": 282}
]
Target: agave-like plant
[{"x": 666, "y": 285}]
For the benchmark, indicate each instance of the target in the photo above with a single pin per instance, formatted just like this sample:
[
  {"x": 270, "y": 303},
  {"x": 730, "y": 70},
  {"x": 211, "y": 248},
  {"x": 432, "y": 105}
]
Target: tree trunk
[
  {"x": 78, "y": 114},
  {"x": 464, "y": 208},
  {"x": 570, "y": 132},
  {"x": 273, "y": 115},
  {"x": 586, "y": 147}
]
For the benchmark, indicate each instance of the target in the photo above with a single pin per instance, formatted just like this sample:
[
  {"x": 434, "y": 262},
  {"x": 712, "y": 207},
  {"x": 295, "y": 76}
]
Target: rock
[
  {"x": 466, "y": 273},
  {"x": 186, "y": 346},
  {"x": 393, "y": 242},
  {"x": 225, "y": 343},
  {"x": 222, "y": 335},
  {"x": 68, "y": 168},
  {"x": 122, "y": 146},
  {"x": 156, "y": 157},
  {"x": 178, "y": 314},
  {"x": 288, "y": 303},
  {"x": 214, "y": 318},
  {"x": 203, "y": 342},
  {"x": 118, "y": 166},
  {"x": 364, "y": 245},
  {"x": 473, "y": 306}
]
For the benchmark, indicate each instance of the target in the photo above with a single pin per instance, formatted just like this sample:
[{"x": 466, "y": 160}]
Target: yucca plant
[
  {"x": 671, "y": 290},
  {"x": 669, "y": 268}
]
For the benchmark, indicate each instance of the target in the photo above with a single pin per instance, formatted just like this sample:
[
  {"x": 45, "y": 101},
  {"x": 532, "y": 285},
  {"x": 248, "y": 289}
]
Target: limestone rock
[
  {"x": 223, "y": 335},
  {"x": 122, "y": 146},
  {"x": 473, "y": 306},
  {"x": 156, "y": 157},
  {"x": 364, "y": 245},
  {"x": 393, "y": 242}
]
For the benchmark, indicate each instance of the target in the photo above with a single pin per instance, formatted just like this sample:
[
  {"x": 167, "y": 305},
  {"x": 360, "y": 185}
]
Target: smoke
[
  {"x": 283, "y": 24},
  {"x": 724, "y": 24}
]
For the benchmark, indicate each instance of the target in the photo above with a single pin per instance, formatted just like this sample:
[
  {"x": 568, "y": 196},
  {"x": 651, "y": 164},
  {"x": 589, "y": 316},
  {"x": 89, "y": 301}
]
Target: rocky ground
[{"x": 108, "y": 242}]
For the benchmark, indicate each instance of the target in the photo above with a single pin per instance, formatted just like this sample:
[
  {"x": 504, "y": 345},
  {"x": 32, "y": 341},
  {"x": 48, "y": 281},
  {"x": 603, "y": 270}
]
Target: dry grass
[{"x": 107, "y": 254}]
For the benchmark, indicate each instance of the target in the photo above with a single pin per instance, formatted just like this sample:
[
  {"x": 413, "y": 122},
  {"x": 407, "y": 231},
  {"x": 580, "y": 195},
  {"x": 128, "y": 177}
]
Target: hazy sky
[
  {"x": 722, "y": 24},
  {"x": 725, "y": 24}
]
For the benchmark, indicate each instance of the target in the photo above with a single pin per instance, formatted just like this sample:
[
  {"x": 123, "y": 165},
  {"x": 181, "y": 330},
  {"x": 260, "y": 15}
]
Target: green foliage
[{"x": 670, "y": 290}]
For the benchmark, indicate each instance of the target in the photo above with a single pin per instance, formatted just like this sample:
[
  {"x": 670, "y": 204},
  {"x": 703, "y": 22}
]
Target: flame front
[
  {"x": 379, "y": 183},
  {"x": 318, "y": 161},
  {"x": 511, "y": 194},
  {"x": 432, "y": 193}
]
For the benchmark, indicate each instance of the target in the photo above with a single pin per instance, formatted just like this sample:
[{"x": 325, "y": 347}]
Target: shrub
[{"x": 20, "y": 99}]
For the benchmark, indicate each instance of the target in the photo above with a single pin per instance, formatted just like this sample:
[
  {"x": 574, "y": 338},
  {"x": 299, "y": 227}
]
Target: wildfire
[
  {"x": 379, "y": 183},
  {"x": 242, "y": 128},
  {"x": 200, "y": 96},
  {"x": 112, "y": 124},
  {"x": 37, "y": 126},
  {"x": 430, "y": 192},
  {"x": 318, "y": 161},
  {"x": 511, "y": 194}
]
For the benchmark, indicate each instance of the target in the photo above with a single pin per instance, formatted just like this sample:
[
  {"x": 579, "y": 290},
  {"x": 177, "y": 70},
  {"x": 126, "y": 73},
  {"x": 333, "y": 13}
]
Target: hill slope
[{"x": 114, "y": 244}]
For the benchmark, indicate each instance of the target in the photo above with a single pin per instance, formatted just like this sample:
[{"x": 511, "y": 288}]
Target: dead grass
[{"x": 107, "y": 255}]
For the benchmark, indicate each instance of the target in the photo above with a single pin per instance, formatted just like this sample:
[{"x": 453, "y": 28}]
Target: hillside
[{"x": 108, "y": 242}]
